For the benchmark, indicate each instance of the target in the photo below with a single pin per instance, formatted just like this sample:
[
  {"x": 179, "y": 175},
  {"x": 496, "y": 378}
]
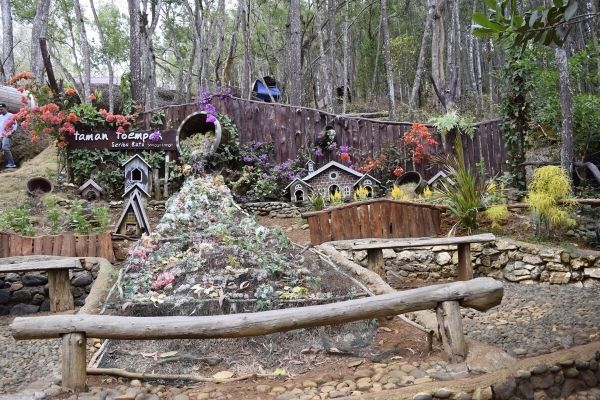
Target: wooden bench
[
  {"x": 375, "y": 248},
  {"x": 59, "y": 283}
]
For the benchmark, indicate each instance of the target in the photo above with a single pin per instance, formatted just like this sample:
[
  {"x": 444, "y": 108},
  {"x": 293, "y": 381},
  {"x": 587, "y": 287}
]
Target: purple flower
[
  {"x": 210, "y": 119},
  {"x": 318, "y": 152},
  {"x": 248, "y": 159},
  {"x": 332, "y": 146},
  {"x": 155, "y": 136},
  {"x": 344, "y": 149}
]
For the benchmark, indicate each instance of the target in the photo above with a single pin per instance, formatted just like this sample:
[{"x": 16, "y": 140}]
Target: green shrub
[{"x": 18, "y": 219}]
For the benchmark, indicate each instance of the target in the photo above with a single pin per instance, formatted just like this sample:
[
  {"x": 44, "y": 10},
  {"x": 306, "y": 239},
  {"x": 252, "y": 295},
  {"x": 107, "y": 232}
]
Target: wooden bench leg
[
  {"x": 73, "y": 362},
  {"x": 375, "y": 261},
  {"x": 59, "y": 287},
  {"x": 465, "y": 266},
  {"x": 451, "y": 331}
]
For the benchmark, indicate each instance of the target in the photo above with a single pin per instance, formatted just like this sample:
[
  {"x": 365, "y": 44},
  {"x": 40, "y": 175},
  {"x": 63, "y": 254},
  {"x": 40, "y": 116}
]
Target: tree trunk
[
  {"x": 295, "y": 55},
  {"x": 246, "y": 89},
  {"x": 594, "y": 32},
  {"x": 8, "y": 57},
  {"x": 135, "y": 52},
  {"x": 232, "y": 46},
  {"x": 412, "y": 103},
  {"x": 325, "y": 67},
  {"x": 331, "y": 8},
  {"x": 388, "y": 61},
  {"x": 220, "y": 40},
  {"x": 566, "y": 151},
  {"x": 109, "y": 66},
  {"x": 438, "y": 45},
  {"x": 345, "y": 85},
  {"x": 39, "y": 30},
  {"x": 148, "y": 58},
  {"x": 85, "y": 51}
]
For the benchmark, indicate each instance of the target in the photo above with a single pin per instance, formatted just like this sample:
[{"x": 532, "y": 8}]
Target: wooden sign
[{"x": 111, "y": 140}]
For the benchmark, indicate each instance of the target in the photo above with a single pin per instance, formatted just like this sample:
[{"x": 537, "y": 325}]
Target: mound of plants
[{"x": 206, "y": 247}]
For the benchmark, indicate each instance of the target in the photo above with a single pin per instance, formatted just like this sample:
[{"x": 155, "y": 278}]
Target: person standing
[{"x": 6, "y": 135}]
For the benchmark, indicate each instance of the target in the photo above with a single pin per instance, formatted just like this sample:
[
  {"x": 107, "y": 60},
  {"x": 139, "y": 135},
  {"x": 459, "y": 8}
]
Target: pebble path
[{"x": 538, "y": 319}]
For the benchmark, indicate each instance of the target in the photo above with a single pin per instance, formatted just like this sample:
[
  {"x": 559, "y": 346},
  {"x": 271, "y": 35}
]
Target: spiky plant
[
  {"x": 361, "y": 193},
  {"x": 399, "y": 194}
]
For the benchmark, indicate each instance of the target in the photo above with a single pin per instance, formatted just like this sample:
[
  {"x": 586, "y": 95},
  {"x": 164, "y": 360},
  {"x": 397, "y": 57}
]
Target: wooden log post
[
  {"x": 465, "y": 265},
  {"x": 59, "y": 287},
  {"x": 73, "y": 362},
  {"x": 451, "y": 331},
  {"x": 375, "y": 261}
]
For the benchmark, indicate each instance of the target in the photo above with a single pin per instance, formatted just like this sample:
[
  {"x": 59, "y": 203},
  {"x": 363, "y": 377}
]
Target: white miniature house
[
  {"x": 137, "y": 172},
  {"x": 90, "y": 190}
]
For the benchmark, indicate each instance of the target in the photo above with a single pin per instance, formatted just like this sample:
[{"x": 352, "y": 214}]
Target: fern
[
  {"x": 449, "y": 121},
  {"x": 361, "y": 193},
  {"x": 399, "y": 194}
]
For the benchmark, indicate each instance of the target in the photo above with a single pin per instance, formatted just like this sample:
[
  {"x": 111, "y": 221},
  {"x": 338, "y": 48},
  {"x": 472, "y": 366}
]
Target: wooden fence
[
  {"x": 480, "y": 294},
  {"x": 65, "y": 245},
  {"x": 293, "y": 128},
  {"x": 382, "y": 218}
]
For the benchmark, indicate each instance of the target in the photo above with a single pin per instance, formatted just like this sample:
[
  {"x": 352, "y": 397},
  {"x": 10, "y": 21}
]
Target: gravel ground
[
  {"x": 23, "y": 362},
  {"x": 538, "y": 319}
]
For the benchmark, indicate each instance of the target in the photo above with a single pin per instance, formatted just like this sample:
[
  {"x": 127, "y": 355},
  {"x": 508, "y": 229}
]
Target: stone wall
[
  {"x": 272, "y": 209},
  {"x": 505, "y": 259},
  {"x": 26, "y": 293}
]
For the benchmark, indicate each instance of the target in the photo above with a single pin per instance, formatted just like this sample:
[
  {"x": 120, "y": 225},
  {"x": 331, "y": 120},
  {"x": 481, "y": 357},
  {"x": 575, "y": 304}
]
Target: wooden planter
[{"x": 66, "y": 245}]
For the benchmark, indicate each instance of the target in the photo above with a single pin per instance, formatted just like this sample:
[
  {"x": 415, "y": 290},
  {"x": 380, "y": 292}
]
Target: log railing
[
  {"x": 65, "y": 245},
  {"x": 480, "y": 294},
  {"x": 380, "y": 218}
]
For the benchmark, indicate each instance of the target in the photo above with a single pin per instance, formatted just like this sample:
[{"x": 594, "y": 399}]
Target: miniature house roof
[
  {"x": 331, "y": 164},
  {"x": 132, "y": 188},
  {"x": 136, "y": 205},
  {"x": 133, "y": 158},
  {"x": 365, "y": 177},
  {"x": 441, "y": 175},
  {"x": 88, "y": 183},
  {"x": 297, "y": 180}
]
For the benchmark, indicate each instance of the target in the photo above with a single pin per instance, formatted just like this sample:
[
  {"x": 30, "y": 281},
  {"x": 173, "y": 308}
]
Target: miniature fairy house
[
  {"x": 369, "y": 183},
  {"x": 299, "y": 190},
  {"x": 139, "y": 188},
  {"x": 439, "y": 180},
  {"x": 90, "y": 190},
  {"x": 329, "y": 178},
  {"x": 133, "y": 221},
  {"x": 137, "y": 171}
]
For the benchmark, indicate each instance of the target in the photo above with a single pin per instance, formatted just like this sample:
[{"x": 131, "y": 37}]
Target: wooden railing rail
[
  {"x": 480, "y": 294},
  {"x": 65, "y": 245}
]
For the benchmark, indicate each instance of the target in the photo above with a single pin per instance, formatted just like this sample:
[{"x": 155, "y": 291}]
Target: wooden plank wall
[
  {"x": 65, "y": 245},
  {"x": 374, "y": 219},
  {"x": 292, "y": 129}
]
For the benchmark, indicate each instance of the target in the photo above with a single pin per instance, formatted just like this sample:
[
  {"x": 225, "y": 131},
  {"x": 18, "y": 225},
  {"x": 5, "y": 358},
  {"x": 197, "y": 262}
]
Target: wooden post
[
  {"x": 156, "y": 183},
  {"x": 166, "y": 179},
  {"x": 73, "y": 362},
  {"x": 465, "y": 266},
  {"x": 375, "y": 261},
  {"x": 451, "y": 331},
  {"x": 59, "y": 287}
]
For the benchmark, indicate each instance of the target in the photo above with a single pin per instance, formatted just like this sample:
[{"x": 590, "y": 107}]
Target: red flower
[
  {"x": 120, "y": 129},
  {"x": 72, "y": 118},
  {"x": 345, "y": 157},
  {"x": 398, "y": 171},
  {"x": 70, "y": 92},
  {"x": 20, "y": 75}
]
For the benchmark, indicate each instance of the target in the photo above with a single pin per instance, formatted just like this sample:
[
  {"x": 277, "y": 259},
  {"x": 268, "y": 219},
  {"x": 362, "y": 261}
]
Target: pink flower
[{"x": 162, "y": 280}]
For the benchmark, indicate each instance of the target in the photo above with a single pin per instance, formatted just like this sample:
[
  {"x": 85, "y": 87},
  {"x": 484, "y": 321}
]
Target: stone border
[{"x": 505, "y": 259}]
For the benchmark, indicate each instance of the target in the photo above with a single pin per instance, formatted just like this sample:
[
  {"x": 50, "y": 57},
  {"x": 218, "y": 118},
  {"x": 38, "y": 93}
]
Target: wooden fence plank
[
  {"x": 81, "y": 245},
  {"x": 15, "y": 245},
  {"x": 38, "y": 245},
  {"x": 47, "y": 243},
  {"x": 105, "y": 249},
  {"x": 313, "y": 226},
  {"x": 363, "y": 220},
  {"x": 68, "y": 245},
  {"x": 324, "y": 224},
  {"x": 375, "y": 218},
  {"x": 4, "y": 245},
  {"x": 337, "y": 224}
]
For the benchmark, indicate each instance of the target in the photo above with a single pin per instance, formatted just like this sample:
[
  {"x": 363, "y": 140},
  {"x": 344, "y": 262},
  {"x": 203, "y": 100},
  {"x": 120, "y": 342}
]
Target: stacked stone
[
  {"x": 509, "y": 260},
  {"x": 27, "y": 292},
  {"x": 272, "y": 209}
]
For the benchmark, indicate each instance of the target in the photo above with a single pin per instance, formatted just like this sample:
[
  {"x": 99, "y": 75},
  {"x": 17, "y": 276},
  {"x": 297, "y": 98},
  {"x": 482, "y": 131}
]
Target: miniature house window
[
  {"x": 369, "y": 190},
  {"x": 333, "y": 189},
  {"x": 347, "y": 191},
  {"x": 299, "y": 195},
  {"x": 136, "y": 175},
  {"x": 333, "y": 175},
  {"x": 324, "y": 191},
  {"x": 368, "y": 182}
]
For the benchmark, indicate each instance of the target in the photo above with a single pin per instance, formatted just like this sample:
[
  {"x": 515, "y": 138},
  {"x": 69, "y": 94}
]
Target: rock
[
  {"x": 389, "y": 253},
  {"x": 364, "y": 373},
  {"x": 21, "y": 296},
  {"x": 442, "y": 393},
  {"x": 417, "y": 373},
  {"x": 422, "y": 396},
  {"x": 4, "y": 296},
  {"x": 525, "y": 390},
  {"x": 592, "y": 272},
  {"x": 181, "y": 397},
  {"x": 531, "y": 259},
  {"x": 262, "y": 388},
  {"x": 572, "y": 373},
  {"x": 364, "y": 384},
  {"x": 560, "y": 277},
  {"x": 572, "y": 385},
  {"x": 24, "y": 309},
  {"x": 504, "y": 390},
  {"x": 34, "y": 279},
  {"x": 37, "y": 299},
  {"x": 338, "y": 393},
  {"x": 82, "y": 278},
  {"x": 582, "y": 365},
  {"x": 23, "y": 148},
  {"x": 578, "y": 263},
  {"x": 135, "y": 383},
  {"x": 443, "y": 258},
  {"x": 539, "y": 369},
  {"x": 542, "y": 381},
  {"x": 483, "y": 393}
]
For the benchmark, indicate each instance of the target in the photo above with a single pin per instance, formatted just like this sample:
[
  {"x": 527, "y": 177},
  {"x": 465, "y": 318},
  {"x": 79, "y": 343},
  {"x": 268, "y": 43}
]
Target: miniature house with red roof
[{"x": 328, "y": 179}]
